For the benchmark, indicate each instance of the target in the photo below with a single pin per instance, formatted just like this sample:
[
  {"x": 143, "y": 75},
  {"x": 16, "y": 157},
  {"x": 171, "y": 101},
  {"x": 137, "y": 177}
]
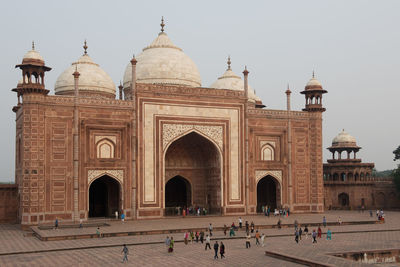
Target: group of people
[
  {"x": 298, "y": 232},
  {"x": 266, "y": 210}
]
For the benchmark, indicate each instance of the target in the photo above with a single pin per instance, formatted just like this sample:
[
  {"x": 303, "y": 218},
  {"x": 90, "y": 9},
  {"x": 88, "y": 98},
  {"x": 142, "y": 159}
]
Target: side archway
[
  {"x": 268, "y": 193},
  {"x": 344, "y": 200},
  {"x": 104, "y": 197}
]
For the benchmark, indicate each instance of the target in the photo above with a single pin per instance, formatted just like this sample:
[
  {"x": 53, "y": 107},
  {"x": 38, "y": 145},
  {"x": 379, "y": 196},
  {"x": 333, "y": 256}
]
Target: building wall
[
  {"x": 139, "y": 141},
  {"x": 8, "y": 203}
]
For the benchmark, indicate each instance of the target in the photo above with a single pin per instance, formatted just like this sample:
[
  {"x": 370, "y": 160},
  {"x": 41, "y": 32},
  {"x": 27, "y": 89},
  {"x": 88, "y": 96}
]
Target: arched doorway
[
  {"x": 343, "y": 200},
  {"x": 268, "y": 193},
  {"x": 194, "y": 156},
  {"x": 178, "y": 192},
  {"x": 104, "y": 197}
]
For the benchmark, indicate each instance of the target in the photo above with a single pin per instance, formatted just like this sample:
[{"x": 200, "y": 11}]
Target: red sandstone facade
[{"x": 81, "y": 153}]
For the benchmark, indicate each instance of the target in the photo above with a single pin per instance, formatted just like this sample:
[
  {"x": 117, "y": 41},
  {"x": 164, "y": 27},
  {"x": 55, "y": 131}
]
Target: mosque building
[{"x": 160, "y": 141}]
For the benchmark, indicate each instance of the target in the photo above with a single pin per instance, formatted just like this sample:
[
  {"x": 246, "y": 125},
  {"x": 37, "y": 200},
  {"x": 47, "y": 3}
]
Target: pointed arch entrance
[
  {"x": 268, "y": 193},
  {"x": 178, "y": 192},
  {"x": 344, "y": 200},
  {"x": 194, "y": 162},
  {"x": 104, "y": 197}
]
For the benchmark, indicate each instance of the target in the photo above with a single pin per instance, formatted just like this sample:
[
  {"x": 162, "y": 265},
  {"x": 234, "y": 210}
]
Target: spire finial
[
  {"x": 162, "y": 24},
  {"x": 313, "y": 74},
  {"x": 33, "y": 45},
  {"x": 229, "y": 63},
  {"x": 85, "y": 47}
]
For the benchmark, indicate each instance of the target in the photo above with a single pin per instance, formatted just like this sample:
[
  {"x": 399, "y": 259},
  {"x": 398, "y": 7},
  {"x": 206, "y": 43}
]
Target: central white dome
[
  {"x": 162, "y": 62},
  {"x": 344, "y": 139}
]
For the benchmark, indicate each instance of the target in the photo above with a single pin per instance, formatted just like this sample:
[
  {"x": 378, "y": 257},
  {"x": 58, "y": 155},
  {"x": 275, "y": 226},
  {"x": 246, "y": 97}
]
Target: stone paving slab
[{"x": 12, "y": 240}]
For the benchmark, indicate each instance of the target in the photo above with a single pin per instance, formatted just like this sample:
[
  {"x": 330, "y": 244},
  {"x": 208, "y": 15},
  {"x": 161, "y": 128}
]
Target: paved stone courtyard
[{"x": 16, "y": 249}]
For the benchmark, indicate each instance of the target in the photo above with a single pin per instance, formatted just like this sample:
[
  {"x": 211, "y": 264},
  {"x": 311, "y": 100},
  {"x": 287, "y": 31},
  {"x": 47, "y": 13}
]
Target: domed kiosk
[{"x": 344, "y": 142}]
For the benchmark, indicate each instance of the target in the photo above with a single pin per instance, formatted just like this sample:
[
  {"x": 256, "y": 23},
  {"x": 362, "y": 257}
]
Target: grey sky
[{"x": 352, "y": 45}]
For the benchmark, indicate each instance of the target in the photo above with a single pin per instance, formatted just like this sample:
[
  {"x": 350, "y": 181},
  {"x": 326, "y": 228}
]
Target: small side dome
[
  {"x": 343, "y": 139},
  {"x": 229, "y": 80},
  {"x": 33, "y": 57},
  {"x": 313, "y": 84},
  {"x": 162, "y": 62},
  {"x": 93, "y": 81}
]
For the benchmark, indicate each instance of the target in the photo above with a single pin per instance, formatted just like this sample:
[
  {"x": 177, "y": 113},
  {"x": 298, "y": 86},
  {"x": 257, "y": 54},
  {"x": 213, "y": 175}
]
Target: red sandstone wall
[{"x": 8, "y": 203}]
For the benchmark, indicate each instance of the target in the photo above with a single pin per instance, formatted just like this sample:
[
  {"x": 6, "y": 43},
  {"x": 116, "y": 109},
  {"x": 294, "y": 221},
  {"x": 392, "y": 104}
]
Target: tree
[
  {"x": 396, "y": 172},
  {"x": 396, "y": 153}
]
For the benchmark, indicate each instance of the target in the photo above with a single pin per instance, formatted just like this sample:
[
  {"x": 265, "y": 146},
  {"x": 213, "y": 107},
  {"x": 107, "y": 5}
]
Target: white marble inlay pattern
[
  {"x": 170, "y": 131},
  {"x": 117, "y": 174}
]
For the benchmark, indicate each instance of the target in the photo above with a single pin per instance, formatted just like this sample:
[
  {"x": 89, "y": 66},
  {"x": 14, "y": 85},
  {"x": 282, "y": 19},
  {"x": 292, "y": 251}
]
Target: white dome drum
[{"x": 163, "y": 63}]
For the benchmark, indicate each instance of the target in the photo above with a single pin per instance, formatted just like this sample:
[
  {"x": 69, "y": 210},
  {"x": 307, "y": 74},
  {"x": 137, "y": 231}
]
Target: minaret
[
  {"x": 246, "y": 136},
  {"x": 75, "y": 140},
  {"x": 313, "y": 93},
  {"x": 33, "y": 70}
]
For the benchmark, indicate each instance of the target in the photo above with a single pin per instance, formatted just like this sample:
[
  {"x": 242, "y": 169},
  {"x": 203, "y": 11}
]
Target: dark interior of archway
[
  {"x": 197, "y": 158},
  {"x": 266, "y": 193},
  {"x": 344, "y": 200},
  {"x": 104, "y": 197},
  {"x": 177, "y": 192}
]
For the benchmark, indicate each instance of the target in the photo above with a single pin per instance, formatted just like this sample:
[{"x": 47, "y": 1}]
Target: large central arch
[
  {"x": 196, "y": 158},
  {"x": 104, "y": 197}
]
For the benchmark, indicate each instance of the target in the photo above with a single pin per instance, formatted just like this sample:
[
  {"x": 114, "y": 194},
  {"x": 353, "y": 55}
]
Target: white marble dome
[
  {"x": 229, "y": 80},
  {"x": 313, "y": 81},
  {"x": 92, "y": 78},
  {"x": 344, "y": 139},
  {"x": 33, "y": 54},
  {"x": 162, "y": 62}
]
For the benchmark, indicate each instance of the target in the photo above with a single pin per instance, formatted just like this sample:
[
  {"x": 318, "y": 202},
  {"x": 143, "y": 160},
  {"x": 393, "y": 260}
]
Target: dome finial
[
  {"x": 229, "y": 63},
  {"x": 162, "y": 24},
  {"x": 33, "y": 45},
  {"x": 85, "y": 47},
  {"x": 313, "y": 74}
]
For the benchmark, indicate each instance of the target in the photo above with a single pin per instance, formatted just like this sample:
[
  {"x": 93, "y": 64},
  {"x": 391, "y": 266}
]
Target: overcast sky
[{"x": 353, "y": 46}]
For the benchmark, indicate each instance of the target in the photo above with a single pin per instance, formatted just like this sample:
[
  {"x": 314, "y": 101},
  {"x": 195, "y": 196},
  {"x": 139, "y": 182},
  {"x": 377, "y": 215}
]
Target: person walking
[
  {"x": 257, "y": 238},
  {"x": 208, "y": 241},
  {"x": 296, "y": 224},
  {"x": 123, "y": 217},
  {"x": 191, "y": 236},
  {"x": 185, "y": 237},
  {"x": 167, "y": 242},
  {"x": 296, "y": 236},
  {"x": 252, "y": 227},
  {"x": 247, "y": 226},
  {"x": 262, "y": 239},
  {"x": 314, "y": 236},
  {"x": 202, "y": 237},
  {"x": 240, "y": 222},
  {"x": 340, "y": 220},
  {"x": 324, "y": 221},
  {"x": 98, "y": 232},
  {"x": 126, "y": 252},
  {"x": 56, "y": 224},
  {"x": 279, "y": 224},
  {"x": 248, "y": 238},
  {"x": 171, "y": 245},
  {"x": 329, "y": 234},
  {"x": 197, "y": 236},
  {"x": 210, "y": 229},
  {"x": 216, "y": 246},
  {"x": 306, "y": 231},
  {"x": 319, "y": 232},
  {"x": 225, "y": 229},
  {"x": 222, "y": 250},
  {"x": 370, "y": 213},
  {"x": 80, "y": 223},
  {"x": 300, "y": 233},
  {"x": 232, "y": 232}
]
